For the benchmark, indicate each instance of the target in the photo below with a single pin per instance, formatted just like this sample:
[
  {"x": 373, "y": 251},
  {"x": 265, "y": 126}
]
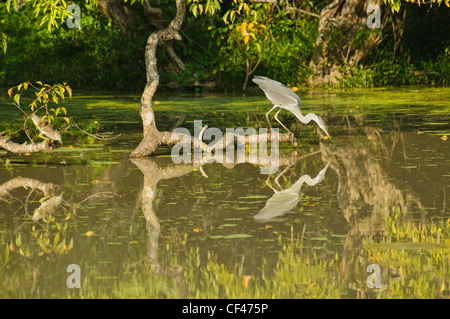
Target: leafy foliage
[
  {"x": 45, "y": 94},
  {"x": 395, "y": 5},
  {"x": 3, "y": 42},
  {"x": 223, "y": 42}
]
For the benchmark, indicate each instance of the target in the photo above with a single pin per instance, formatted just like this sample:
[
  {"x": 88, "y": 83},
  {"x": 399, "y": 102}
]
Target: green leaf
[
  {"x": 17, "y": 99},
  {"x": 56, "y": 239},
  {"x": 45, "y": 18},
  {"x": 18, "y": 240}
]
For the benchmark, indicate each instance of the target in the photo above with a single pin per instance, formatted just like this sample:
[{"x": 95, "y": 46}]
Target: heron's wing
[
  {"x": 36, "y": 119},
  {"x": 47, "y": 207},
  {"x": 50, "y": 131},
  {"x": 277, "y": 92}
]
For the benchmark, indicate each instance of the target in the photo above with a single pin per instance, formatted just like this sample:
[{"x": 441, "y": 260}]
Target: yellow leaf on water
[
  {"x": 444, "y": 138},
  {"x": 89, "y": 233},
  {"x": 132, "y": 242},
  {"x": 156, "y": 102},
  {"x": 197, "y": 229}
]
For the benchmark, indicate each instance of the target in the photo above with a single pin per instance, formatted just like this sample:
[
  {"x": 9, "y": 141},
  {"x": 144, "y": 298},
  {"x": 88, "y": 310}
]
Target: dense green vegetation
[{"x": 279, "y": 44}]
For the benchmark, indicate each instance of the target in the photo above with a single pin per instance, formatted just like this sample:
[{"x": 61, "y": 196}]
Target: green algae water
[{"x": 376, "y": 194}]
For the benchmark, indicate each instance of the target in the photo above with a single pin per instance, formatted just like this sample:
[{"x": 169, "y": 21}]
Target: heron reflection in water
[
  {"x": 283, "y": 201},
  {"x": 284, "y": 98}
]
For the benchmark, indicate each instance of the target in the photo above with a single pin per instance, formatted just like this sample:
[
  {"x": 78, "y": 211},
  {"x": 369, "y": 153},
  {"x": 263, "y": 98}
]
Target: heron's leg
[
  {"x": 267, "y": 183},
  {"x": 281, "y": 174},
  {"x": 276, "y": 118},
  {"x": 267, "y": 116}
]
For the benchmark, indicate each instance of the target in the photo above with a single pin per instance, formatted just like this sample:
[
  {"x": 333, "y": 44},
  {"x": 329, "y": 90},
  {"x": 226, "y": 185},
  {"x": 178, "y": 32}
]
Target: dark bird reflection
[
  {"x": 283, "y": 201},
  {"x": 47, "y": 207}
]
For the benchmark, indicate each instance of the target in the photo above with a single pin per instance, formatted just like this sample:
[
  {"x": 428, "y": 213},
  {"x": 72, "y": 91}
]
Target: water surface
[{"x": 378, "y": 193}]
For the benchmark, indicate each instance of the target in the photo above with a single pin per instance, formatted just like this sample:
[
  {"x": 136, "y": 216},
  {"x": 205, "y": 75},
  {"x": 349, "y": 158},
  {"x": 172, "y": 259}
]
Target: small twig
[
  {"x": 102, "y": 194},
  {"x": 98, "y": 136},
  {"x": 289, "y": 9}
]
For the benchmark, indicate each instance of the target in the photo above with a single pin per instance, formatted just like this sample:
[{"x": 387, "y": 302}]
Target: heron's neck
[
  {"x": 304, "y": 119},
  {"x": 308, "y": 180}
]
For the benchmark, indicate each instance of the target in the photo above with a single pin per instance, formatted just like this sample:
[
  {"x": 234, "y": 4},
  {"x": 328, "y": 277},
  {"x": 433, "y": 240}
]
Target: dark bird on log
[{"x": 46, "y": 129}]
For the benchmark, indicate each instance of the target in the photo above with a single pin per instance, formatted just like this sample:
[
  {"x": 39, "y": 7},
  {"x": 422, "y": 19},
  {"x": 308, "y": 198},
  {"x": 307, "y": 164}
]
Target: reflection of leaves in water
[{"x": 414, "y": 255}]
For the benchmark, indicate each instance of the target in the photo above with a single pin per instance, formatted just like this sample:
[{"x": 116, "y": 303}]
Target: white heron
[{"x": 284, "y": 98}]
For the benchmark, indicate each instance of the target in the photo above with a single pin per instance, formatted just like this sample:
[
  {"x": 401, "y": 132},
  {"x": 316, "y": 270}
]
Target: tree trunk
[
  {"x": 123, "y": 17},
  {"x": 119, "y": 14},
  {"x": 152, "y": 137},
  {"x": 339, "y": 42}
]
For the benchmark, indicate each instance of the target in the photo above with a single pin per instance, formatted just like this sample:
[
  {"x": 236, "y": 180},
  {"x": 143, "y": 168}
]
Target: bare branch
[{"x": 26, "y": 148}]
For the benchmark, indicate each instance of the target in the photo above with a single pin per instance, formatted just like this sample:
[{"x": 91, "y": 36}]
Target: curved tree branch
[
  {"x": 152, "y": 136},
  {"x": 25, "y": 148}
]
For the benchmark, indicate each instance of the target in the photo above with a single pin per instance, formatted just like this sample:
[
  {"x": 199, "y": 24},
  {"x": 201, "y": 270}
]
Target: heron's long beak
[{"x": 326, "y": 132}]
